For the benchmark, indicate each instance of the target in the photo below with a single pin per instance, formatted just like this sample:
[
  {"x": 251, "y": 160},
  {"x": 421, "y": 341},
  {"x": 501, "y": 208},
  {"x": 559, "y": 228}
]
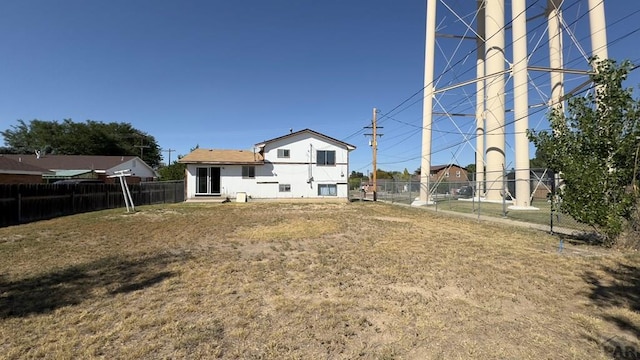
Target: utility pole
[
  {"x": 374, "y": 145},
  {"x": 141, "y": 146},
  {"x": 169, "y": 151}
]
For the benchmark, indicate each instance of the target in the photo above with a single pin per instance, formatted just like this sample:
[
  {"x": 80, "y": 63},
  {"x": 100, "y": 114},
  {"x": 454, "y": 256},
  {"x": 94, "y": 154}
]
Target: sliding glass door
[{"x": 208, "y": 181}]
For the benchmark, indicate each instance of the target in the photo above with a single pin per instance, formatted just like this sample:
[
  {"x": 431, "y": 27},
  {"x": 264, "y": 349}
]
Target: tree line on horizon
[{"x": 80, "y": 138}]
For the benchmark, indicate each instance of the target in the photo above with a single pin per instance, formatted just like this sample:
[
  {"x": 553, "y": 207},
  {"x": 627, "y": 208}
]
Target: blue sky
[{"x": 229, "y": 74}]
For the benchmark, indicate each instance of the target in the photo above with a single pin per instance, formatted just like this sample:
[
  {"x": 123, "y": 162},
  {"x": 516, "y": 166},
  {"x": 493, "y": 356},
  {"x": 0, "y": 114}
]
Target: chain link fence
[{"x": 461, "y": 196}]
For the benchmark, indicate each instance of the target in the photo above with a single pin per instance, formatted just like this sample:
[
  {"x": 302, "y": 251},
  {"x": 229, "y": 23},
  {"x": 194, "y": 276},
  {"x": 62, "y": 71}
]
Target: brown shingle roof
[
  {"x": 436, "y": 168},
  {"x": 72, "y": 162},
  {"x": 211, "y": 156},
  {"x": 16, "y": 167}
]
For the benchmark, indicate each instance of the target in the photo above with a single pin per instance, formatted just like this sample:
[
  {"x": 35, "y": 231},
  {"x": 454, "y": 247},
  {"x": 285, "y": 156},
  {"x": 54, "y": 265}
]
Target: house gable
[
  {"x": 451, "y": 172},
  {"x": 311, "y": 133},
  {"x": 302, "y": 148}
]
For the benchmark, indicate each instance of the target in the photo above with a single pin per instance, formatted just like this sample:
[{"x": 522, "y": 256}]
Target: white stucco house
[{"x": 301, "y": 164}]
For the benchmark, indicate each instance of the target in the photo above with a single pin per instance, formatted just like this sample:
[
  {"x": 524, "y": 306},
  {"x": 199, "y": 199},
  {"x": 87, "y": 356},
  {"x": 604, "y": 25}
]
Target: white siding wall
[
  {"x": 296, "y": 170},
  {"x": 293, "y": 171}
]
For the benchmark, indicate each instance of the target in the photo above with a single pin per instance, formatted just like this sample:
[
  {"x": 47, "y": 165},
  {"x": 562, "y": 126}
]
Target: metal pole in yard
[
  {"x": 551, "y": 216},
  {"x": 473, "y": 203},
  {"x": 450, "y": 194},
  {"x": 124, "y": 193},
  {"x": 504, "y": 192}
]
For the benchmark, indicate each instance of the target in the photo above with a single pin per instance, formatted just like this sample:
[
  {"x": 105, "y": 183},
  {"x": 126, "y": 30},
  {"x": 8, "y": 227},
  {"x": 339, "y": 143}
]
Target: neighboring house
[
  {"x": 302, "y": 164},
  {"x": 449, "y": 173},
  {"x": 15, "y": 172},
  {"x": 65, "y": 167},
  {"x": 541, "y": 182}
]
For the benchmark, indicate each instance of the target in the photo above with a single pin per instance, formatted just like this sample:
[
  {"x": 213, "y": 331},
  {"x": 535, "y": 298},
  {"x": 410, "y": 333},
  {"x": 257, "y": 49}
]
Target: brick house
[
  {"x": 449, "y": 172},
  {"x": 15, "y": 172},
  {"x": 65, "y": 167}
]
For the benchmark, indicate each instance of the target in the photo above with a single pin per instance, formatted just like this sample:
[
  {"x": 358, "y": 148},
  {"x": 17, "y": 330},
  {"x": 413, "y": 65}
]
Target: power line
[
  {"x": 497, "y": 128},
  {"x": 570, "y": 62},
  {"x": 451, "y": 68}
]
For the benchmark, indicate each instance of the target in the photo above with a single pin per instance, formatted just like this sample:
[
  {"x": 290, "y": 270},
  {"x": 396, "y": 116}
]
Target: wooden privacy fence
[{"x": 23, "y": 203}]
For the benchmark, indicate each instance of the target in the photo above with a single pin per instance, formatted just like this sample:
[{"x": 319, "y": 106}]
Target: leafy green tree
[
  {"x": 173, "y": 171},
  {"x": 356, "y": 175},
  {"x": 87, "y": 138},
  {"x": 356, "y": 179},
  {"x": 382, "y": 174},
  {"x": 471, "y": 172},
  {"x": 593, "y": 146},
  {"x": 540, "y": 161},
  {"x": 406, "y": 176}
]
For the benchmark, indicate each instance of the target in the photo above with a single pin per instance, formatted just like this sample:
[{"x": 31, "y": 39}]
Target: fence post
[
  {"x": 393, "y": 189},
  {"x": 19, "y": 206}
]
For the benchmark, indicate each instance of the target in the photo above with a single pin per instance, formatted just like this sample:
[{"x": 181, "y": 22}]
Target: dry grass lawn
[{"x": 308, "y": 281}]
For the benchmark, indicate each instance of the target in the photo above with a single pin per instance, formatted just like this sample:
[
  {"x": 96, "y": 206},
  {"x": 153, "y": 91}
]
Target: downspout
[{"x": 310, "y": 165}]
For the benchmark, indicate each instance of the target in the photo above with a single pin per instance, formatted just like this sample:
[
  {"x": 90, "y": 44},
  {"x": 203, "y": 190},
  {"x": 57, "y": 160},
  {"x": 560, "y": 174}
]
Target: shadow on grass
[
  {"x": 583, "y": 238},
  {"x": 73, "y": 285},
  {"x": 619, "y": 289}
]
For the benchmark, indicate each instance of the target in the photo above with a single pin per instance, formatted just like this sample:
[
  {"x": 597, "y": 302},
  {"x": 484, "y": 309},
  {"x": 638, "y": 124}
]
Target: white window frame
[
  {"x": 208, "y": 179},
  {"x": 250, "y": 172},
  {"x": 284, "y": 188},
  {"x": 458, "y": 173},
  {"x": 284, "y": 153},
  {"x": 332, "y": 189}
]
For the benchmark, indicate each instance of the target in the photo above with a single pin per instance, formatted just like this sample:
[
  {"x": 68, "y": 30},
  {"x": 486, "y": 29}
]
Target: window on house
[
  {"x": 327, "y": 190},
  {"x": 446, "y": 174},
  {"x": 283, "y": 153},
  {"x": 207, "y": 180},
  {"x": 285, "y": 187},
  {"x": 202, "y": 175},
  {"x": 249, "y": 172},
  {"x": 457, "y": 173},
  {"x": 326, "y": 157}
]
